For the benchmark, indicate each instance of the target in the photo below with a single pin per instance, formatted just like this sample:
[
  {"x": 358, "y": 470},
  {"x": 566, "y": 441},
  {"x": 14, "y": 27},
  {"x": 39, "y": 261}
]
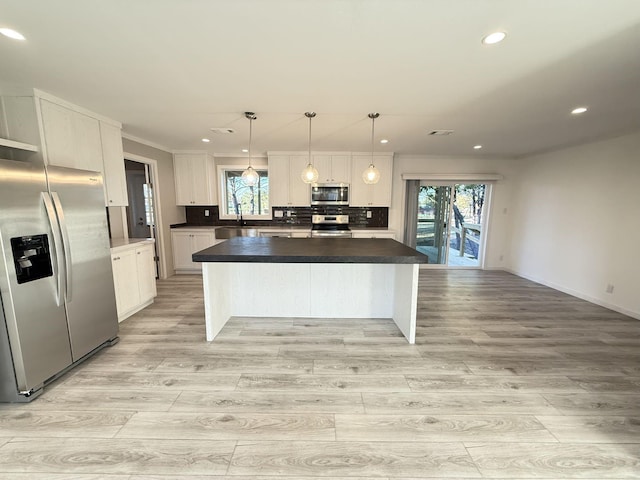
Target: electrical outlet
[
  {"x": 369, "y": 214},
  {"x": 278, "y": 213},
  {"x": 609, "y": 288},
  {"x": 206, "y": 213}
]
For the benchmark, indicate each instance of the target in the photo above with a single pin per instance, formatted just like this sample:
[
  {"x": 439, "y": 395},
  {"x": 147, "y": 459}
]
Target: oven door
[{"x": 330, "y": 194}]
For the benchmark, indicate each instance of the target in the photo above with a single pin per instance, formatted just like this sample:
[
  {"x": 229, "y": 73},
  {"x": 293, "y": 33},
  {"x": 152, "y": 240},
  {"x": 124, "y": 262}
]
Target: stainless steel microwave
[{"x": 330, "y": 194}]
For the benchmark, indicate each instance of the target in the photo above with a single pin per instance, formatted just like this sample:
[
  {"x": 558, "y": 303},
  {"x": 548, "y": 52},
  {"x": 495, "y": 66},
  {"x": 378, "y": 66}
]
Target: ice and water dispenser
[{"x": 31, "y": 257}]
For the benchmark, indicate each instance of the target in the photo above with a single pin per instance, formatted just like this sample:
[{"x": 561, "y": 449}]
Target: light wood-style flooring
[{"x": 508, "y": 380}]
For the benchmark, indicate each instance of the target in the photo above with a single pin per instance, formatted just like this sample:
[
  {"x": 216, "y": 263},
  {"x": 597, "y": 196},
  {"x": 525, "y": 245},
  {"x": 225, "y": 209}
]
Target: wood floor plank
[
  {"x": 126, "y": 380},
  {"x": 596, "y": 403},
  {"x": 324, "y": 383},
  {"x": 238, "y": 364},
  {"x": 455, "y": 403},
  {"x": 83, "y": 399},
  {"x": 489, "y": 384},
  {"x": 274, "y": 402},
  {"x": 64, "y": 476},
  {"x": 531, "y": 460},
  {"x": 116, "y": 456},
  {"x": 377, "y": 365},
  {"x": 230, "y": 426},
  {"x": 593, "y": 429},
  {"x": 98, "y": 424},
  {"x": 441, "y": 428},
  {"x": 352, "y": 459}
]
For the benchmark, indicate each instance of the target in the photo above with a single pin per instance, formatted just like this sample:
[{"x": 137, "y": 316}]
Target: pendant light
[
  {"x": 250, "y": 177},
  {"x": 310, "y": 174},
  {"x": 371, "y": 175}
]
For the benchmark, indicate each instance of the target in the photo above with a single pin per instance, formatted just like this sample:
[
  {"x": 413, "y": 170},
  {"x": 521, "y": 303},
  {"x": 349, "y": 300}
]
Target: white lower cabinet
[
  {"x": 185, "y": 243},
  {"x": 134, "y": 278}
]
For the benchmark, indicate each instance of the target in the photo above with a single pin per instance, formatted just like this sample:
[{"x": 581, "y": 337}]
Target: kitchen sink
[{"x": 230, "y": 232}]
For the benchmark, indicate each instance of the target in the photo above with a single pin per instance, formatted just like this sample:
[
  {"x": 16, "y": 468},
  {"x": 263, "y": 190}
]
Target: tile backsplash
[{"x": 358, "y": 216}]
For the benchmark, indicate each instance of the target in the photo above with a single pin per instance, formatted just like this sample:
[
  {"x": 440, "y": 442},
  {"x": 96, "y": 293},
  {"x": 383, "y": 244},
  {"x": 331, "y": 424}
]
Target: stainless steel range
[{"x": 330, "y": 226}]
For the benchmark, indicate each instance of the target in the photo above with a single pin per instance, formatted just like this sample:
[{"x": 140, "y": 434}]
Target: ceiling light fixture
[
  {"x": 206, "y": 140},
  {"x": 495, "y": 37},
  {"x": 245, "y": 150},
  {"x": 309, "y": 174},
  {"x": 384, "y": 140},
  {"x": 7, "y": 32},
  {"x": 477, "y": 147},
  {"x": 250, "y": 177},
  {"x": 372, "y": 175},
  {"x": 578, "y": 111}
]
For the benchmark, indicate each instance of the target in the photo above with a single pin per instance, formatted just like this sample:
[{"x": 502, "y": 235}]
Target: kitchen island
[{"x": 310, "y": 277}]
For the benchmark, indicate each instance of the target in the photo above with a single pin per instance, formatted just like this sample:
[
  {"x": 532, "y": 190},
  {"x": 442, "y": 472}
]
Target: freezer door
[
  {"x": 89, "y": 292},
  {"x": 35, "y": 325}
]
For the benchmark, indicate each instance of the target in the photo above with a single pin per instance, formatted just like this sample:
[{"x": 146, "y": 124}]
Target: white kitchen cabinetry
[
  {"x": 333, "y": 168},
  {"x": 185, "y": 243},
  {"x": 74, "y": 138},
  {"x": 374, "y": 234},
  {"x": 134, "y": 277},
  {"x": 195, "y": 178},
  {"x": 286, "y": 187},
  {"x": 115, "y": 179},
  {"x": 377, "y": 195}
]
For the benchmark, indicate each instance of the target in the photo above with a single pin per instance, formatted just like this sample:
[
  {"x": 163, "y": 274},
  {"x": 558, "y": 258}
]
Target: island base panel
[{"x": 310, "y": 290}]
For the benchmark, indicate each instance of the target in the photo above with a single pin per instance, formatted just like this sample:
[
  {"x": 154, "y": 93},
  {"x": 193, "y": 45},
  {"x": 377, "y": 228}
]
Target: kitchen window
[{"x": 237, "y": 198}]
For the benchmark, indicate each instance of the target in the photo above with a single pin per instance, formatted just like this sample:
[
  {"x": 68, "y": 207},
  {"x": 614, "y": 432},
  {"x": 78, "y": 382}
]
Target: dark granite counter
[{"x": 310, "y": 250}]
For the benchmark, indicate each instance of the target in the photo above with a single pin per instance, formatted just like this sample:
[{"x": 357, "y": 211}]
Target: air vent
[
  {"x": 222, "y": 130},
  {"x": 441, "y": 132}
]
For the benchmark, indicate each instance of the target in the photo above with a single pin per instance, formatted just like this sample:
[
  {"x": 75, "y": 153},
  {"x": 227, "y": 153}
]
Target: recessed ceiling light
[
  {"x": 245, "y": 150},
  {"x": 206, "y": 140},
  {"x": 384, "y": 140},
  {"x": 7, "y": 32},
  {"x": 494, "y": 37},
  {"x": 477, "y": 147},
  {"x": 579, "y": 110}
]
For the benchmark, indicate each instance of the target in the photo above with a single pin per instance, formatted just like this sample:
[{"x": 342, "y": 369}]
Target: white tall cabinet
[
  {"x": 377, "y": 195},
  {"x": 286, "y": 187},
  {"x": 195, "y": 179},
  {"x": 76, "y": 138}
]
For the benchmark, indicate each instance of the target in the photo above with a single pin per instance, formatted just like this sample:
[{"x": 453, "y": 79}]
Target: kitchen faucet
[{"x": 239, "y": 219}]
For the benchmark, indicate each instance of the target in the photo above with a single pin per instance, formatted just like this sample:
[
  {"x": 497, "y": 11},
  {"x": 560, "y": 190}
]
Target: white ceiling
[{"x": 169, "y": 70}]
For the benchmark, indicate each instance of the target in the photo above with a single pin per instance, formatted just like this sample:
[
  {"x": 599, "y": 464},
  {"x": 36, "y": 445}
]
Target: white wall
[
  {"x": 575, "y": 222},
  {"x": 497, "y": 234}
]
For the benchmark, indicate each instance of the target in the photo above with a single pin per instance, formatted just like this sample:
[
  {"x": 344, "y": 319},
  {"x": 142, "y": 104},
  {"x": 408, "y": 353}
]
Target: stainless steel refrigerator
[{"x": 56, "y": 282}]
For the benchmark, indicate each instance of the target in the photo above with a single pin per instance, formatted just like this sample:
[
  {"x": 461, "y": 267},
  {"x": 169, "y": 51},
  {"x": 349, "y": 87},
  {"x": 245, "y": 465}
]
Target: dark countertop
[{"x": 310, "y": 250}]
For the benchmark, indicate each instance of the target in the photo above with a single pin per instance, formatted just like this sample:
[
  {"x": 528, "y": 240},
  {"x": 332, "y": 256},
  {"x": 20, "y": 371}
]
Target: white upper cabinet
[
  {"x": 286, "y": 187},
  {"x": 333, "y": 168},
  {"x": 195, "y": 179},
  {"x": 377, "y": 195},
  {"x": 74, "y": 138},
  {"x": 115, "y": 179}
]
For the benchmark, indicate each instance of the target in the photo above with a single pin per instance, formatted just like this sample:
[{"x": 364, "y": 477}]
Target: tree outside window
[{"x": 242, "y": 199}]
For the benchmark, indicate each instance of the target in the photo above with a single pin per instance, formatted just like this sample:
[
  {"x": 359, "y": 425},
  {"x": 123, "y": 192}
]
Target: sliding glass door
[{"x": 449, "y": 221}]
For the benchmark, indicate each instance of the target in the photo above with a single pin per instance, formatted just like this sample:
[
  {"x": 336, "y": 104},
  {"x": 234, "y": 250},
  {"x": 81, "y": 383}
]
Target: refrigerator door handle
[
  {"x": 57, "y": 244},
  {"x": 65, "y": 243}
]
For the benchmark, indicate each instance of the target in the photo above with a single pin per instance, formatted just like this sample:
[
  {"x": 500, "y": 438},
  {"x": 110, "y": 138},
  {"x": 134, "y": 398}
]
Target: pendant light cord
[{"x": 373, "y": 117}]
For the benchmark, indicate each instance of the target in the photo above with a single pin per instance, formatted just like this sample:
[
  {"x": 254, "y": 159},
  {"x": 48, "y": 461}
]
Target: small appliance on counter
[
  {"x": 56, "y": 283},
  {"x": 330, "y": 226}
]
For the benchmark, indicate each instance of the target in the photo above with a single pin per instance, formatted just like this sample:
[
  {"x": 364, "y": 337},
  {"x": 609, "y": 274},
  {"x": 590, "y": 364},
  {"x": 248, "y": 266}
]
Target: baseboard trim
[{"x": 575, "y": 293}]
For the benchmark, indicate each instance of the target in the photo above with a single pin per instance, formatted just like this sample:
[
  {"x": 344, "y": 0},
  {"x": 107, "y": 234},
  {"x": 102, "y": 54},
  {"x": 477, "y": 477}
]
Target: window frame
[{"x": 222, "y": 192}]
